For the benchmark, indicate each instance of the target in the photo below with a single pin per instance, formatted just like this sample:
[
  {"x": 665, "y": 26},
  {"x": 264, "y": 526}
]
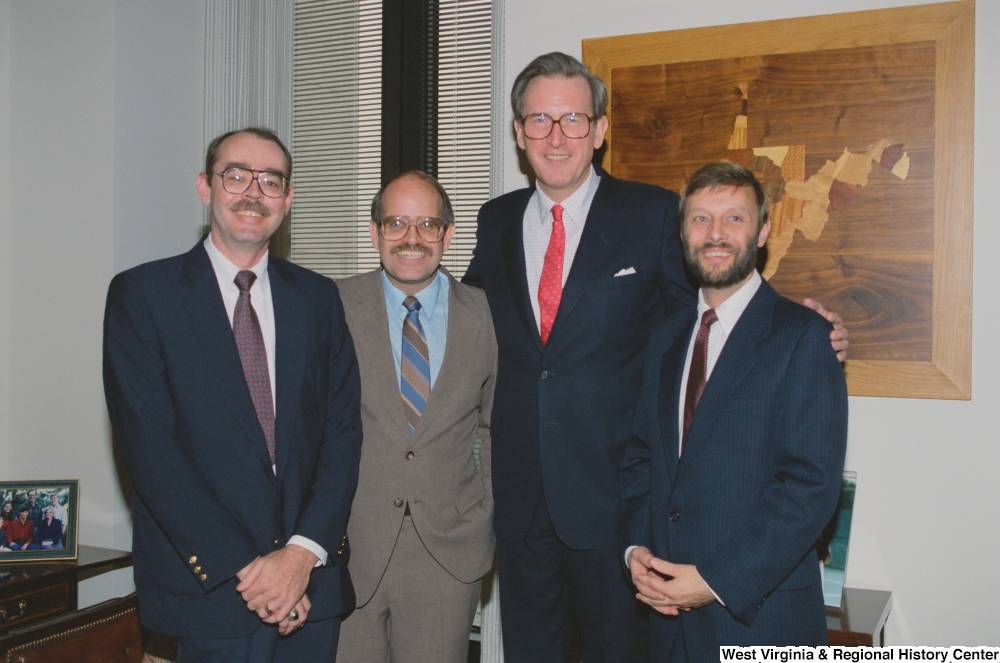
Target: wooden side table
[
  {"x": 32, "y": 591},
  {"x": 862, "y": 623}
]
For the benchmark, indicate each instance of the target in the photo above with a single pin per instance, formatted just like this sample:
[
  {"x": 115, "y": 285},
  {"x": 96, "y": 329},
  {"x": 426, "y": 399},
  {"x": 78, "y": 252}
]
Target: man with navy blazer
[
  {"x": 570, "y": 364},
  {"x": 735, "y": 462},
  {"x": 233, "y": 392}
]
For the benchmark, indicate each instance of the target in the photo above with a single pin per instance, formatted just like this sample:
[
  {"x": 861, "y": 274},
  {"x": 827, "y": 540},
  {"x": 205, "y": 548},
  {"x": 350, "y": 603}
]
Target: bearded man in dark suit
[{"x": 735, "y": 462}]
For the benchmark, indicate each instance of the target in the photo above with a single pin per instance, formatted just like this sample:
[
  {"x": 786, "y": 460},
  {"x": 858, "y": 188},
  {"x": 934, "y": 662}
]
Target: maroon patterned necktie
[
  {"x": 550, "y": 284},
  {"x": 699, "y": 366},
  {"x": 253, "y": 356}
]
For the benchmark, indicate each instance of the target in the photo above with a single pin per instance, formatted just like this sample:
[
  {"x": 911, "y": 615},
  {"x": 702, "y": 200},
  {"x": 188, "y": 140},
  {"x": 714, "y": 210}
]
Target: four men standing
[{"x": 237, "y": 404}]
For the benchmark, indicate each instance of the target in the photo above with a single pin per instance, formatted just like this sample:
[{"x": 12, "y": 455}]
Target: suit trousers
[
  {"x": 553, "y": 597},
  {"x": 419, "y": 613},
  {"x": 316, "y": 642}
]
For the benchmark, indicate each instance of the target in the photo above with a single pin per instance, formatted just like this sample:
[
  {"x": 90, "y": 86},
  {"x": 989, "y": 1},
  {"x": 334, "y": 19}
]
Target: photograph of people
[
  {"x": 21, "y": 532},
  {"x": 50, "y": 531}
]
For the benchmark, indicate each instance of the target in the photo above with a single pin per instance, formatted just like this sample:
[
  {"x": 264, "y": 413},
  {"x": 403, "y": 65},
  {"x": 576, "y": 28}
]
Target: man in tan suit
[{"x": 421, "y": 529}]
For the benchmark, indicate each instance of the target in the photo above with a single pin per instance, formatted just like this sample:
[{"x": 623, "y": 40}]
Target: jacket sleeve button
[
  {"x": 674, "y": 516},
  {"x": 203, "y": 577},
  {"x": 192, "y": 560}
]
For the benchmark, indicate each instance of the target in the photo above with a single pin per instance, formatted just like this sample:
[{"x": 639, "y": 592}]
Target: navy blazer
[
  {"x": 758, "y": 480},
  {"x": 206, "y": 500},
  {"x": 561, "y": 413}
]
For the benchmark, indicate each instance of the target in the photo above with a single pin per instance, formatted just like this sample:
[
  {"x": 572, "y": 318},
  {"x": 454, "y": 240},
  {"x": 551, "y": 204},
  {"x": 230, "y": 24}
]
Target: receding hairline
[{"x": 242, "y": 164}]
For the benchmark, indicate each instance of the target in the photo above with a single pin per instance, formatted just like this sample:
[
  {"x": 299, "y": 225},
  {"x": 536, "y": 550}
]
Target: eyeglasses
[
  {"x": 428, "y": 228},
  {"x": 237, "y": 180},
  {"x": 572, "y": 125}
]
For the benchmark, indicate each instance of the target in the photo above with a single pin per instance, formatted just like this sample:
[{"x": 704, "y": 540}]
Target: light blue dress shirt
[{"x": 433, "y": 318}]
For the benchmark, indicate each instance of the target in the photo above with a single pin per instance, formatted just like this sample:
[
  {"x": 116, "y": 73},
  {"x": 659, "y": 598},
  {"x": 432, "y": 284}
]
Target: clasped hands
[
  {"x": 276, "y": 583},
  {"x": 666, "y": 587}
]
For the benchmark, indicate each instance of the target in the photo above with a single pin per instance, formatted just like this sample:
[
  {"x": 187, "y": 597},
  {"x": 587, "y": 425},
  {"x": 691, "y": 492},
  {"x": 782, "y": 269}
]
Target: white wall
[
  {"x": 927, "y": 515},
  {"x": 101, "y": 135}
]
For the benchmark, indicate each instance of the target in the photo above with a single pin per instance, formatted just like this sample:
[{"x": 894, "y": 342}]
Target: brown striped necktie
[{"x": 414, "y": 365}]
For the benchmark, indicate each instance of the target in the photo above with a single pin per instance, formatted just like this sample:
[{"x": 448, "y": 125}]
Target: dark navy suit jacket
[
  {"x": 758, "y": 479},
  {"x": 561, "y": 413},
  {"x": 206, "y": 500}
]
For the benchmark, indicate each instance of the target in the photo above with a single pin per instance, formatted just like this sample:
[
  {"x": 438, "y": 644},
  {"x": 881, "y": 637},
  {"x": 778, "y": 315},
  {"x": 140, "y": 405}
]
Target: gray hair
[
  {"x": 725, "y": 174},
  {"x": 558, "y": 65},
  {"x": 446, "y": 213}
]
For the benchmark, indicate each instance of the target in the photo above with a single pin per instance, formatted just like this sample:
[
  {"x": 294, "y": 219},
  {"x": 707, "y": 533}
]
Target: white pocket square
[{"x": 625, "y": 272}]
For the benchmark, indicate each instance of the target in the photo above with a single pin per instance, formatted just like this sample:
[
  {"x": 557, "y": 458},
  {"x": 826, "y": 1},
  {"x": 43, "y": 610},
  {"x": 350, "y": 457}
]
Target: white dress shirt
[
  {"x": 729, "y": 313},
  {"x": 263, "y": 306},
  {"x": 537, "y": 230}
]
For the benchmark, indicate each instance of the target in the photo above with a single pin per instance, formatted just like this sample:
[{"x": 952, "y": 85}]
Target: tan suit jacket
[{"x": 434, "y": 470}]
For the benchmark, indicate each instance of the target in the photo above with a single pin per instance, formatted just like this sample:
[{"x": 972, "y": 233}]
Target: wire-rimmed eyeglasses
[
  {"x": 429, "y": 228},
  {"x": 236, "y": 180}
]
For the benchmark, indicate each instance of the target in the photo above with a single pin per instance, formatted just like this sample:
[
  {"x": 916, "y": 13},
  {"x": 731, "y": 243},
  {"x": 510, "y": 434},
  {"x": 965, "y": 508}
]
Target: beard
[{"x": 744, "y": 262}]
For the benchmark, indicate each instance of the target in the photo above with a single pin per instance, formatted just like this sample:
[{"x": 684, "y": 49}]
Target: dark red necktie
[
  {"x": 550, "y": 285},
  {"x": 253, "y": 356},
  {"x": 699, "y": 366}
]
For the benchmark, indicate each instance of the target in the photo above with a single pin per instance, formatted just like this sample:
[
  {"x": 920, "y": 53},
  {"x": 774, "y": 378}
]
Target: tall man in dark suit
[
  {"x": 577, "y": 270},
  {"x": 421, "y": 524},
  {"x": 735, "y": 462},
  {"x": 233, "y": 391}
]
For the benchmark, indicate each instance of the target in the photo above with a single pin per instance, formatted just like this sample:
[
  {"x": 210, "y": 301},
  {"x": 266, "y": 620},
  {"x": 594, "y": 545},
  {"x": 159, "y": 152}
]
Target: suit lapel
[
  {"x": 290, "y": 357},
  {"x": 512, "y": 240},
  {"x": 671, "y": 372},
  {"x": 207, "y": 317},
  {"x": 377, "y": 348},
  {"x": 738, "y": 356},
  {"x": 463, "y": 328},
  {"x": 595, "y": 251}
]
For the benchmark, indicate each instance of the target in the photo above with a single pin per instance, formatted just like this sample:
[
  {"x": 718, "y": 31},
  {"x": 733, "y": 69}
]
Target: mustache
[
  {"x": 716, "y": 245},
  {"x": 411, "y": 247},
  {"x": 247, "y": 205}
]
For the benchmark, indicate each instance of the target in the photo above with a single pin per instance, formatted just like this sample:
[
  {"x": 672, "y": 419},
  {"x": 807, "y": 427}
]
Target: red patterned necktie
[
  {"x": 699, "y": 366},
  {"x": 253, "y": 356},
  {"x": 550, "y": 285}
]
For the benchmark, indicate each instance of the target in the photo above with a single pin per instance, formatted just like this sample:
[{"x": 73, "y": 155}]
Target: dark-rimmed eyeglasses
[
  {"x": 428, "y": 228},
  {"x": 539, "y": 125},
  {"x": 237, "y": 180}
]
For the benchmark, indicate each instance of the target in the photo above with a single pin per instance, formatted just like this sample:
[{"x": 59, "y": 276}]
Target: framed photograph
[
  {"x": 834, "y": 544},
  {"x": 38, "y": 520}
]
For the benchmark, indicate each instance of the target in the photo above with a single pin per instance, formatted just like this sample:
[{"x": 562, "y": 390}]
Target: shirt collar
[
  {"x": 225, "y": 270},
  {"x": 729, "y": 311},
  {"x": 575, "y": 207},
  {"x": 427, "y": 297}
]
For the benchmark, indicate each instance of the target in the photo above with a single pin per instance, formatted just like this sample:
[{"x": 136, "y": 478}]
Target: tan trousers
[{"x": 420, "y": 613}]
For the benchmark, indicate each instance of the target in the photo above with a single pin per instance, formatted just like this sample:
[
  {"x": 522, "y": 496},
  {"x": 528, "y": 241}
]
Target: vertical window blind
[
  {"x": 337, "y": 133},
  {"x": 337, "y": 128},
  {"x": 464, "y": 117}
]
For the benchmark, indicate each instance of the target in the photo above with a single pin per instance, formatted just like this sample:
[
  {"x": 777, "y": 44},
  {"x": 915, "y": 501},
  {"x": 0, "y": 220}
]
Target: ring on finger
[
  {"x": 268, "y": 610},
  {"x": 293, "y": 615}
]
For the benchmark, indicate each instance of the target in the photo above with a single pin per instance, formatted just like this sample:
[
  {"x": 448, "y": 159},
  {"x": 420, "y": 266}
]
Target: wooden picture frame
[
  {"x": 947, "y": 28},
  {"x": 43, "y": 546}
]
